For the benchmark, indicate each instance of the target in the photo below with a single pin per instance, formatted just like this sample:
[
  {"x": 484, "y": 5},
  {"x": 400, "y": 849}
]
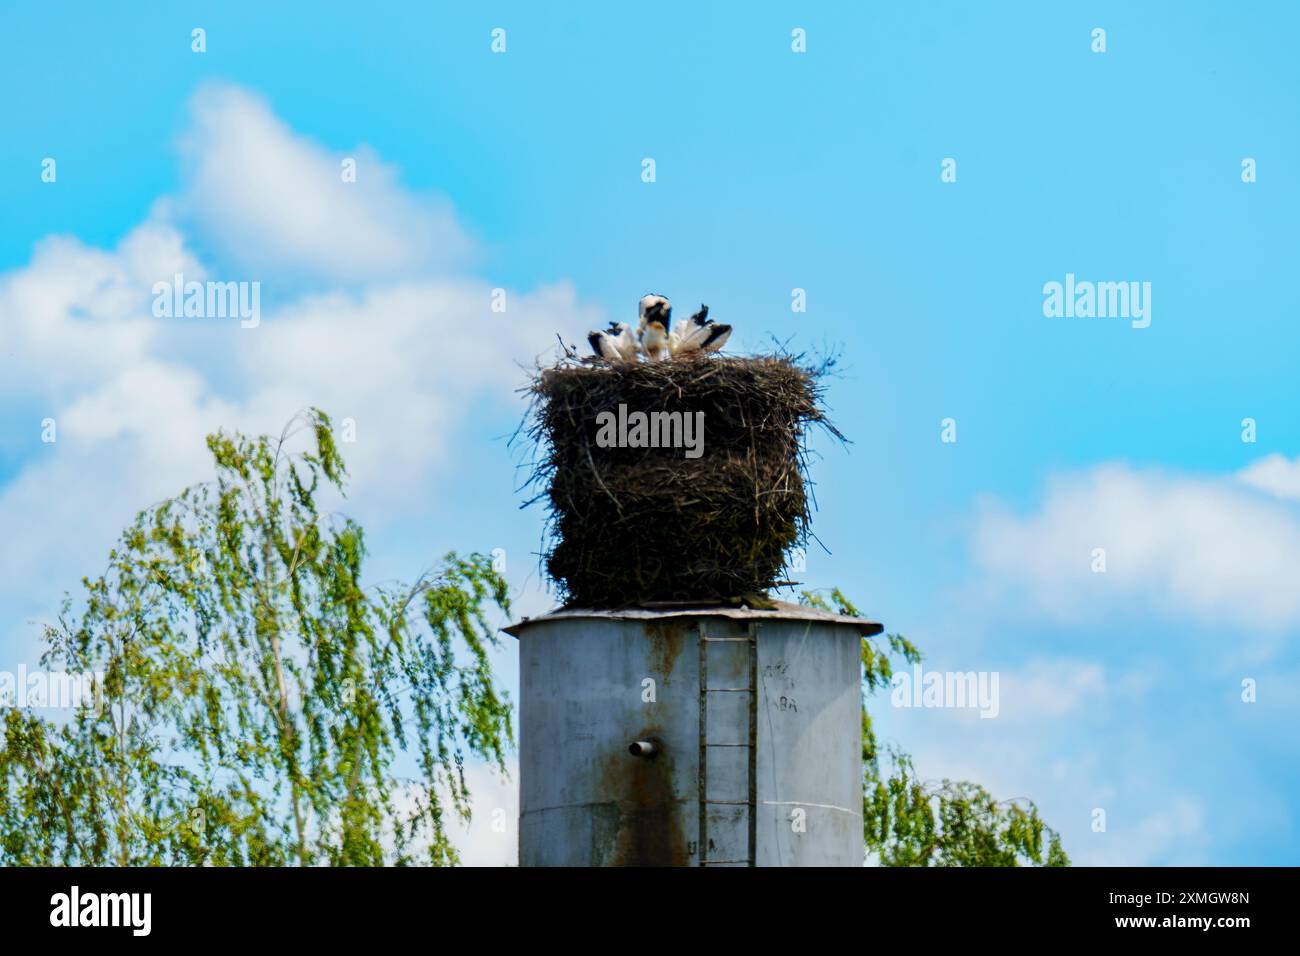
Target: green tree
[
  {"x": 255, "y": 697},
  {"x": 908, "y": 821}
]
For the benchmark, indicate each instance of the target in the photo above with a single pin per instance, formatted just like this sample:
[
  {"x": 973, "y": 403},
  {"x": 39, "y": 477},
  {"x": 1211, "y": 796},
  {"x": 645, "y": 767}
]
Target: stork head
[{"x": 655, "y": 309}]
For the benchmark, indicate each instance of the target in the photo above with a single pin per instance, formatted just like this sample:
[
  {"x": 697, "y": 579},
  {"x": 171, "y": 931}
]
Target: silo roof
[{"x": 779, "y": 610}]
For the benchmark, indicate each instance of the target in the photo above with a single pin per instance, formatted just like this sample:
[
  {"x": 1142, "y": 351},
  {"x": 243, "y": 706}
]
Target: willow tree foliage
[
  {"x": 257, "y": 699},
  {"x": 908, "y": 821}
]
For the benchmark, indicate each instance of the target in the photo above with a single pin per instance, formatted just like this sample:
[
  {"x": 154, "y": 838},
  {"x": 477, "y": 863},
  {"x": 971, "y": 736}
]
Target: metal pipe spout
[{"x": 643, "y": 748}]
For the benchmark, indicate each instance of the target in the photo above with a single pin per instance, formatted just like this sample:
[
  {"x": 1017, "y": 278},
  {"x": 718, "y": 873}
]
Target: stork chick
[
  {"x": 656, "y": 321},
  {"x": 616, "y": 344},
  {"x": 699, "y": 333}
]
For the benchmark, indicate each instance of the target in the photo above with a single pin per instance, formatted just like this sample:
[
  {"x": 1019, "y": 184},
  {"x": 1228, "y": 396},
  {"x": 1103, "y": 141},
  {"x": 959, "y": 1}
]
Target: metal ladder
[{"x": 719, "y": 751}]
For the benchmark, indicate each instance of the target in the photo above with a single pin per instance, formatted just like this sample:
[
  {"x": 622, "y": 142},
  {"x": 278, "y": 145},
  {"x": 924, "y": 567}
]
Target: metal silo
[{"x": 690, "y": 736}]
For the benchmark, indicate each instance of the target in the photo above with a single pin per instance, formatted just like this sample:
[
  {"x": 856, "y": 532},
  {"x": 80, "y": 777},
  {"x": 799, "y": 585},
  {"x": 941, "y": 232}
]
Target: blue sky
[{"x": 774, "y": 171}]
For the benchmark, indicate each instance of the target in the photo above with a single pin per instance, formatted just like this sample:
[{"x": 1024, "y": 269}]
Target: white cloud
[
  {"x": 76, "y": 314},
  {"x": 276, "y": 203},
  {"x": 1211, "y": 549},
  {"x": 409, "y": 355},
  {"x": 406, "y": 361},
  {"x": 1211, "y": 552},
  {"x": 1274, "y": 474}
]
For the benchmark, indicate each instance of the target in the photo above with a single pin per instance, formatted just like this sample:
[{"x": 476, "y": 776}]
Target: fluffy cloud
[
  {"x": 407, "y": 362},
  {"x": 1276, "y": 475},
  {"x": 377, "y": 334},
  {"x": 277, "y": 204},
  {"x": 1215, "y": 549},
  {"x": 76, "y": 314},
  {"x": 1215, "y": 552}
]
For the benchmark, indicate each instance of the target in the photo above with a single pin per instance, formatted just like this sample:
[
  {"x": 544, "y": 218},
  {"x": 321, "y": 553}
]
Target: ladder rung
[{"x": 750, "y": 638}]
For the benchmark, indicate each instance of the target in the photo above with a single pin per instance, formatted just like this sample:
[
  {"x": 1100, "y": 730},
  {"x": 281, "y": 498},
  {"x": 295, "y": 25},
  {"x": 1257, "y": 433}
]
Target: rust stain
[
  {"x": 646, "y": 820},
  {"x": 642, "y": 824},
  {"x": 667, "y": 638}
]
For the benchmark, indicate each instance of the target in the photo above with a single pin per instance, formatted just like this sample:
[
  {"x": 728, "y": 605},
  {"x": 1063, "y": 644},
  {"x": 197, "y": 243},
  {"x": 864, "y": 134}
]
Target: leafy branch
[{"x": 257, "y": 697}]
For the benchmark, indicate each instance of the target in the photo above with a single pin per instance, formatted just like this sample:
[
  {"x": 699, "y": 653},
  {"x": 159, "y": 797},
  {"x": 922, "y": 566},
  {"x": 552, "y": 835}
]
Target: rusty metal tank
[{"x": 690, "y": 736}]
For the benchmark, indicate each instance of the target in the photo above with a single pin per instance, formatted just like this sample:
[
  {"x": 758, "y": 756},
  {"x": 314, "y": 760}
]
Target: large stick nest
[{"x": 638, "y": 525}]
